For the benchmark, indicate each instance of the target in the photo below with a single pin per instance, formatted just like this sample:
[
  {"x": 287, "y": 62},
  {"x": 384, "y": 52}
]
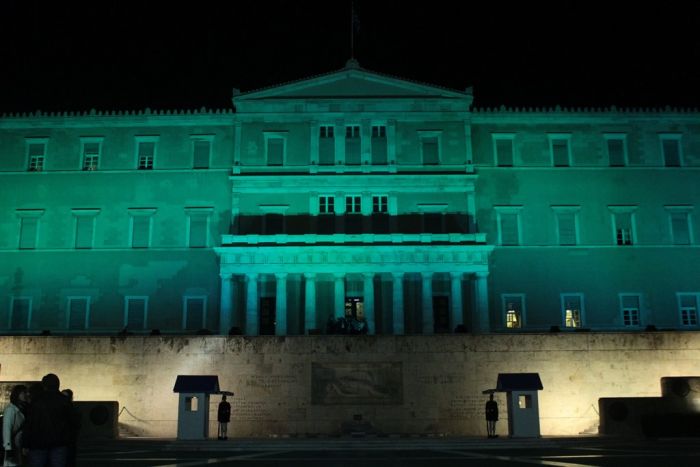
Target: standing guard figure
[
  {"x": 491, "y": 417},
  {"x": 223, "y": 417}
]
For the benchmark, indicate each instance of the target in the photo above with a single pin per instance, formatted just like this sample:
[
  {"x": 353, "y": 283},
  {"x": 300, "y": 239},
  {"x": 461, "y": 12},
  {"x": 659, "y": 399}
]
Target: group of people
[{"x": 40, "y": 428}]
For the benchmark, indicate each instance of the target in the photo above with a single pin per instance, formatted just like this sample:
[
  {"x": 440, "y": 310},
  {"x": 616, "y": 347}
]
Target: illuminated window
[
  {"x": 679, "y": 220},
  {"x": 353, "y": 204},
  {"x": 671, "y": 149},
  {"x": 28, "y": 227},
  {"x": 326, "y": 145},
  {"x": 560, "y": 149},
  {"x": 629, "y": 306},
  {"x": 146, "y": 152},
  {"x": 201, "y": 151},
  {"x": 430, "y": 147},
  {"x": 566, "y": 224},
  {"x": 135, "y": 312},
  {"x": 352, "y": 145},
  {"x": 20, "y": 313},
  {"x": 380, "y": 204},
  {"x": 326, "y": 204},
  {"x": 36, "y": 154},
  {"x": 191, "y": 404},
  {"x": 624, "y": 232},
  {"x": 85, "y": 227},
  {"x": 572, "y": 310},
  {"x": 379, "y": 145},
  {"x": 274, "y": 149},
  {"x": 78, "y": 313},
  {"x": 616, "y": 145},
  {"x": 509, "y": 222},
  {"x": 194, "y": 312},
  {"x": 503, "y": 149},
  {"x": 524, "y": 401},
  {"x": 513, "y": 307},
  {"x": 141, "y": 220},
  {"x": 198, "y": 227},
  {"x": 91, "y": 149}
]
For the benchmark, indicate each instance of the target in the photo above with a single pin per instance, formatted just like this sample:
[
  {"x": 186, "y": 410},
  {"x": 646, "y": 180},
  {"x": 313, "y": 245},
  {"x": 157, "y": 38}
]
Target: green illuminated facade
[{"x": 350, "y": 193}]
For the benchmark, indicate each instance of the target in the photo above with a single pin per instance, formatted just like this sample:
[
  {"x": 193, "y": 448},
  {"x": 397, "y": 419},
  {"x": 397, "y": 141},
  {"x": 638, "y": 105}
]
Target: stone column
[
  {"x": 252, "y": 317},
  {"x": 427, "y": 302},
  {"x": 480, "y": 319},
  {"x": 397, "y": 303},
  {"x": 281, "y": 304},
  {"x": 339, "y": 305},
  {"x": 457, "y": 316},
  {"x": 226, "y": 304},
  {"x": 310, "y": 301},
  {"x": 368, "y": 300}
]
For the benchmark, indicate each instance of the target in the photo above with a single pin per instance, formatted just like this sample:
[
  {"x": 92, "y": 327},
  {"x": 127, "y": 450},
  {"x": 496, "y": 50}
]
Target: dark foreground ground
[{"x": 433, "y": 452}]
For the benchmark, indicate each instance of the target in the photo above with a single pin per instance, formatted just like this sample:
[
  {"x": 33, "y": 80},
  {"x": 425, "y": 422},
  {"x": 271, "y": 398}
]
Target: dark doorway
[
  {"x": 267, "y": 316},
  {"x": 441, "y": 314}
]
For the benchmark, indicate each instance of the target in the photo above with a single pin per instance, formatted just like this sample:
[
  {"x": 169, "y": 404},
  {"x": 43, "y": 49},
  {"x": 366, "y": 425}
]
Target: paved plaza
[{"x": 433, "y": 452}]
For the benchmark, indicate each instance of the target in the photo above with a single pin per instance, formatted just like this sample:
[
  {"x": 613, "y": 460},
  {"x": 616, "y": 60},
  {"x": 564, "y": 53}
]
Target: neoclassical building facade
[{"x": 351, "y": 193}]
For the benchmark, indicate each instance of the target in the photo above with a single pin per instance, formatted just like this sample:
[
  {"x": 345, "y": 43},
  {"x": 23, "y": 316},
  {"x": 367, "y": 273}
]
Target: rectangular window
[
  {"x": 275, "y": 150},
  {"x": 20, "y": 313},
  {"x": 141, "y": 227},
  {"x": 326, "y": 145},
  {"x": 688, "y": 308},
  {"x": 91, "y": 154},
  {"x": 430, "y": 147},
  {"x": 194, "y": 313},
  {"x": 513, "y": 309},
  {"x": 78, "y": 313},
  {"x": 503, "y": 150},
  {"x": 629, "y": 306},
  {"x": 146, "y": 154},
  {"x": 201, "y": 152},
  {"x": 84, "y": 227},
  {"x": 326, "y": 204},
  {"x": 352, "y": 145},
  {"x": 671, "y": 149},
  {"x": 198, "y": 227},
  {"x": 28, "y": 233},
  {"x": 624, "y": 232},
  {"x": 566, "y": 224},
  {"x": 353, "y": 204},
  {"x": 572, "y": 310},
  {"x": 617, "y": 150},
  {"x": 679, "y": 219},
  {"x": 36, "y": 152},
  {"x": 379, "y": 145},
  {"x": 508, "y": 220},
  {"x": 135, "y": 313},
  {"x": 380, "y": 204},
  {"x": 561, "y": 151}
]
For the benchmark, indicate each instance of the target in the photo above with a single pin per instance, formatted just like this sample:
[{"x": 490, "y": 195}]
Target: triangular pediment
[{"x": 351, "y": 83}]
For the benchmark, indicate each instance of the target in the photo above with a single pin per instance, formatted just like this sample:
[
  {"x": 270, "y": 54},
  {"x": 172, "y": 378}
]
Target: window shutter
[
  {"x": 147, "y": 149},
  {"x": 560, "y": 152},
  {"x": 36, "y": 149},
  {"x": 379, "y": 146},
  {"x": 509, "y": 229},
  {"x": 136, "y": 313},
  {"x": 195, "y": 313},
  {"x": 141, "y": 231},
  {"x": 198, "y": 231},
  {"x": 679, "y": 226},
  {"x": 616, "y": 152},
  {"x": 567, "y": 228},
  {"x": 84, "y": 231},
  {"x": 202, "y": 150},
  {"x": 275, "y": 151},
  {"x": 430, "y": 151},
  {"x": 504, "y": 152},
  {"x": 91, "y": 149},
  {"x": 28, "y": 233},
  {"x": 78, "y": 311},
  {"x": 672, "y": 157},
  {"x": 352, "y": 145}
]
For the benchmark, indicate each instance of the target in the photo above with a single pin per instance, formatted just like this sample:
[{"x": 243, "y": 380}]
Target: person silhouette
[
  {"x": 491, "y": 417},
  {"x": 223, "y": 417}
]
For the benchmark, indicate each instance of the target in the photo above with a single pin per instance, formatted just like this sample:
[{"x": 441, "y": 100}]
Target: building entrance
[
  {"x": 355, "y": 308},
  {"x": 267, "y": 316},
  {"x": 441, "y": 314}
]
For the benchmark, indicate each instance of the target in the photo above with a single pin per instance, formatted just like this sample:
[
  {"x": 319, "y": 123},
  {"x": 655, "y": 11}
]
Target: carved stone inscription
[{"x": 379, "y": 383}]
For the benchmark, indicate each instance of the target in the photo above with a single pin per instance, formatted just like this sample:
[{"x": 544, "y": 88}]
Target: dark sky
[{"x": 109, "y": 54}]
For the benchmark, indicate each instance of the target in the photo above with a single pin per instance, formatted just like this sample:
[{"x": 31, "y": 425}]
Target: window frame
[
  {"x": 558, "y": 210},
  {"x": 30, "y": 310},
  {"x": 84, "y": 141},
  {"x": 504, "y": 311},
  {"x": 380, "y": 197},
  {"x": 23, "y": 214},
  {"x": 77, "y": 213},
  {"x": 686, "y": 209},
  {"x": 678, "y": 138},
  {"x": 355, "y": 204},
  {"x": 141, "y": 212},
  {"x": 696, "y": 296},
  {"x": 423, "y": 135},
  {"x": 622, "y": 309},
  {"x": 86, "y": 323},
  {"x": 582, "y": 310},
  {"x": 495, "y": 138},
  {"x": 269, "y": 135},
  {"x": 187, "y": 297},
  {"x": 560, "y": 136},
  {"x": 195, "y": 138},
  {"x": 329, "y": 202},
  {"x": 617, "y": 137},
  {"x": 624, "y": 209},
  {"x": 145, "y": 311},
  {"x": 28, "y": 142},
  {"x": 138, "y": 140},
  {"x": 517, "y": 211},
  {"x": 191, "y": 212}
]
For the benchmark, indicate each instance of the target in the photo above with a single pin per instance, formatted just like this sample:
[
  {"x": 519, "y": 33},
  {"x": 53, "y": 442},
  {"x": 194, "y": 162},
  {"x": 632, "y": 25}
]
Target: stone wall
[{"x": 318, "y": 384}]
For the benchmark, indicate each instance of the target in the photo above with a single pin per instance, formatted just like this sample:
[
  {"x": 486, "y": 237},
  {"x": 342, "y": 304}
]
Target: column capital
[
  {"x": 309, "y": 275},
  {"x": 251, "y": 276},
  {"x": 398, "y": 275},
  {"x": 368, "y": 275},
  {"x": 226, "y": 276},
  {"x": 455, "y": 275},
  {"x": 426, "y": 275},
  {"x": 281, "y": 275},
  {"x": 339, "y": 276},
  {"x": 482, "y": 274}
]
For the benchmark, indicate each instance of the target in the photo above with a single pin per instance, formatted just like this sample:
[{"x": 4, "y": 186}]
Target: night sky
[{"x": 119, "y": 55}]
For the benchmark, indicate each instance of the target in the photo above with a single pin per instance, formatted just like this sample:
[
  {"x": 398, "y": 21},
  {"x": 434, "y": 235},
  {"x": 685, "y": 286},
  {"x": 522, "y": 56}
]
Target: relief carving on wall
[{"x": 379, "y": 383}]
